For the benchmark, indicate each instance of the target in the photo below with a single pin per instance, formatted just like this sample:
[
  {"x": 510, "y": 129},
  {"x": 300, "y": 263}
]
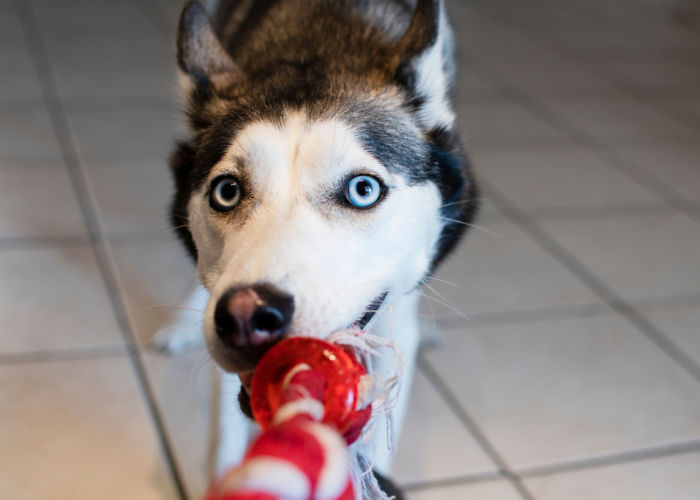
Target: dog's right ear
[{"x": 200, "y": 54}]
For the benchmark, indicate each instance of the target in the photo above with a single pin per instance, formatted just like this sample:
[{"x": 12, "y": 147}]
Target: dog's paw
[{"x": 174, "y": 343}]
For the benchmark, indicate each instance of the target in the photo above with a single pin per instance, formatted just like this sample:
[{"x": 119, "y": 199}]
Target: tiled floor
[{"x": 569, "y": 364}]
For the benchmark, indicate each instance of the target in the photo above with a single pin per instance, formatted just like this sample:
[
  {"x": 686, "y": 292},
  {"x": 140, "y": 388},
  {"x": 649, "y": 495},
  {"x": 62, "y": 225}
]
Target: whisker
[
  {"x": 439, "y": 294},
  {"x": 473, "y": 226},
  {"x": 432, "y": 315},
  {"x": 449, "y": 306},
  {"x": 459, "y": 202},
  {"x": 182, "y": 217},
  {"x": 455, "y": 285},
  {"x": 176, "y": 329}
]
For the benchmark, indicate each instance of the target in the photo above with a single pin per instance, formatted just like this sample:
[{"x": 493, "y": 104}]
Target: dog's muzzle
[
  {"x": 251, "y": 319},
  {"x": 236, "y": 320}
]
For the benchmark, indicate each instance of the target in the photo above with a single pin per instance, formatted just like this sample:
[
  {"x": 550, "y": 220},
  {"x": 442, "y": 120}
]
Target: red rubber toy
[{"x": 305, "y": 396}]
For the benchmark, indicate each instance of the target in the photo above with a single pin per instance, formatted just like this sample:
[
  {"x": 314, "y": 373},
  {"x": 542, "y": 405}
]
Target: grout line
[
  {"x": 622, "y": 457},
  {"x": 90, "y": 104},
  {"x": 551, "y": 313},
  {"x": 69, "y": 354},
  {"x": 59, "y": 120},
  {"x": 82, "y": 240},
  {"x": 141, "y": 236},
  {"x": 486, "y": 145},
  {"x": 160, "y": 102},
  {"x": 21, "y": 105},
  {"x": 618, "y": 458},
  {"x": 675, "y": 300},
  {"x": 598, "y": 146},
  {"x": 472, "y": 427},
  {"x": 689, "y": 209},
  {"x": 46, "y": 241},
  {"x": 558, "y": 251},
  {"x": 577, "y": 212},
  {"x": 612, "y": 156},
  {"x": 599, "y": 287},
  {"x": 554, "y": 313},
  {"x": 452, "y": 481}
]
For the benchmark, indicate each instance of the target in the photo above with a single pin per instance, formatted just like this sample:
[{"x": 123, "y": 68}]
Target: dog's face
[
  {"x": 306, "y": 210},
  {"x": 312, "y": 214}
]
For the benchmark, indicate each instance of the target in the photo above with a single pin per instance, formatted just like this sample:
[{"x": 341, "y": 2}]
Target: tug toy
[{"x": 306, "y": 396}]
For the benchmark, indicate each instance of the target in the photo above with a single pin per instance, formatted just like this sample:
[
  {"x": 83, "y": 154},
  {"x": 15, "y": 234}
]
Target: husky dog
[{"x": 323, "y": 179}]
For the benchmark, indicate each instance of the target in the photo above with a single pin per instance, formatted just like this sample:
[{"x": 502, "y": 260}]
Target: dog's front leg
[
  {"x": 229, "y": 429},
  {"x": 185, "y": 332},
  {"x": 399, "y": 323}
]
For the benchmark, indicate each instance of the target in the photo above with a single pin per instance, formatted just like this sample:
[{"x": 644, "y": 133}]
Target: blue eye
[
  {"x": 363, "y": 191},
  {"x": 225, "y": 193}
]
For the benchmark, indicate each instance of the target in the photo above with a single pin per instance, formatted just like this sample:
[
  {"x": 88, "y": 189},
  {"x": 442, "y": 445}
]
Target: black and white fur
[{"x": 293, "y": 97}]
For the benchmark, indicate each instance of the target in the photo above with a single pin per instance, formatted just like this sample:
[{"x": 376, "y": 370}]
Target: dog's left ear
[
  {"x": 200, "y": 54},
  {"x": 422, "y": 64},
  {"x": 422, "y": 33}
]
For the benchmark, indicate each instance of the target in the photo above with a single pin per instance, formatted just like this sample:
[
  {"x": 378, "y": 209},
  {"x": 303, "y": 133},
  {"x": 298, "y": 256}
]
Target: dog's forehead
[{"x": 298, "y": 149}]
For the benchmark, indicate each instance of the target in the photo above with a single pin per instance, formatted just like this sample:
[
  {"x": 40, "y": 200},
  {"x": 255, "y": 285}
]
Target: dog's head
[{"x": 323, "y": 177}]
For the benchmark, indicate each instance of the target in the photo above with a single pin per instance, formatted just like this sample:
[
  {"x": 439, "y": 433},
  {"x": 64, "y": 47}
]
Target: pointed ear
[
  {"x": 423, "y": 31},
  {"x": 200, "y": 54},
  {"x": 423, "y": 64}
]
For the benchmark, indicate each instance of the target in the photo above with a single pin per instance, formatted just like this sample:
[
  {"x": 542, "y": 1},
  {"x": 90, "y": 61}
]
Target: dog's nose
[{"x": 253, "y": 315}]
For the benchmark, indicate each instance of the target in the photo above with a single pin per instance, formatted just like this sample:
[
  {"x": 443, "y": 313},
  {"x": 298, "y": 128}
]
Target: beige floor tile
[
  {"x": 681, "y": 323},
  {"x": 133, "y": 199},
  {"x": 489, "y": 210},
  {"x": 111, "y": 70},
  {"x": 90, "y": 18},
  {"x": 480, "y": 34},
  {"x": 170, "y": 12},
  {"x": 434, "y": 444},
  {"x": 534, "y": 180},
  {"x": 503, "y": 123},
  {"x": 500, "y": 490},
  {"x": 550, "y": 96},
  {"x": 625, "y": 32},
  {"x": 125, "y": 134},
  {"x": 19, "y": 78},
  {"x": 658, "y": 73},
  {"x": 181, "y": 384},
  {"x": 53, "y": 299},
  {"x": 38, "y": 202},
  {"x": 674, "y": 478},
  {"x": 548, "y": 71},
  {"x": 561, "y": 390},
  {"x": 111, "y": 64},
  {"x": 27, "y": 134},
  {"x": 155, "y": 278},
  {"x": 499, "y": 268},
  {"x": 77, "y": 429},
  {"x": 639, "y": 257},
  {"x": 623, "y": 119},
  {"x": 687, "y": 105},
  {"x": 676, "y": 167}
]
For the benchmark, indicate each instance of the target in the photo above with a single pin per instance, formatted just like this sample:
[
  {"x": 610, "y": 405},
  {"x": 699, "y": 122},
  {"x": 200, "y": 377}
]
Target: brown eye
[{"x": 225, "y": 193}]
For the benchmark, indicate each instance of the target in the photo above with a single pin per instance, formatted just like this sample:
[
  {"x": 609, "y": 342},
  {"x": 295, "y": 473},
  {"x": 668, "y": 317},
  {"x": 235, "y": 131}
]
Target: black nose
[{"x": 251, "y": 316}]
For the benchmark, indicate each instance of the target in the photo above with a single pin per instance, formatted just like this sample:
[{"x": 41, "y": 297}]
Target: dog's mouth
[
  {"x": 246, "y": 377},
  {"x": 370, "y": 311}
]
